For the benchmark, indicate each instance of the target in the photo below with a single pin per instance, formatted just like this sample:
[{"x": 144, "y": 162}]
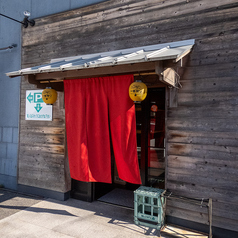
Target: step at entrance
[{"x": 120, "y": 197}]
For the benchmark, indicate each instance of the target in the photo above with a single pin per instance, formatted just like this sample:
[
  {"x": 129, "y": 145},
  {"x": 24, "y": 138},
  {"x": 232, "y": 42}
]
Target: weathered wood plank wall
[
  {"x": 42, "y": 161},
  {"x": 202, "y": 130}
]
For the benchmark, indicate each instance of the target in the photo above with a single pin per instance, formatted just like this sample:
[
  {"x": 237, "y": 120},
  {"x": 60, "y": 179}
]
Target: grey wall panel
[
  {"x": 9, "y": 181},
  {"x": 10, "y": 32},
  {"x": 46, "y": 7},
  {"x": 83, "y": 3}
]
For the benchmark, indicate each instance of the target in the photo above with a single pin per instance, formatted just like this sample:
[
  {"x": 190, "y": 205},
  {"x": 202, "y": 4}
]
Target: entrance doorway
[
  {"x": 150, "y": 123},
  {"x": 150, "y": 128}
]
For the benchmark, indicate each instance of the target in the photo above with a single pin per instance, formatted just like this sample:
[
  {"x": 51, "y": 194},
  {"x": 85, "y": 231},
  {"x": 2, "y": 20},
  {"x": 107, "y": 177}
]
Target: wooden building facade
[{"x": 201, "y": 124}]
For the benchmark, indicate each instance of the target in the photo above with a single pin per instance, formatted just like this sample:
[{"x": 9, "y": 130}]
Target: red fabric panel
[
  {"x": 87, "y": 130},
  {"x": 99, "y": 153},
  {"x": 75, "y": 116},
  {"x": 88, "y": 103},
  {"x": 123, "y": 128}
]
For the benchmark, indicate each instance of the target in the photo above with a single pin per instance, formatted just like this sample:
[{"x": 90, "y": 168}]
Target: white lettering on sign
[{"x": 36, "y": 109}]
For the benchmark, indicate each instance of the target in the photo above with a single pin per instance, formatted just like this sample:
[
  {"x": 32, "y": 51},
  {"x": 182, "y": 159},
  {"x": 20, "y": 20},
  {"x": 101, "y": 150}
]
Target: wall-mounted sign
[{"x": 36, "y": 109}]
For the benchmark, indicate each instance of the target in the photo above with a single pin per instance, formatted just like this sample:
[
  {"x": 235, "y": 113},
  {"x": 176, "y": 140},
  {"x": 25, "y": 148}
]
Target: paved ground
[
  {"x": 12, "y": 202},
  {"x": 24, "y": 216}
]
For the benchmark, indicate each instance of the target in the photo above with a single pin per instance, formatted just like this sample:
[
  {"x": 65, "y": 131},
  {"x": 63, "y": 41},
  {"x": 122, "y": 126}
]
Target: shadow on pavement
[{"x": 39, "y": 210}]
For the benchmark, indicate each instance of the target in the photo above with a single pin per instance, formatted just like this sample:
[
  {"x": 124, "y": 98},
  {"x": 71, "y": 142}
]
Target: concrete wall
[{"x": 10, "y": 60}]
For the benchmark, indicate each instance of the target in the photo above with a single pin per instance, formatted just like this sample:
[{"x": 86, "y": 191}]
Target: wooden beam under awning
[
  {"x": 95, "y": 72},
  {"x": 135, "y": 75}
]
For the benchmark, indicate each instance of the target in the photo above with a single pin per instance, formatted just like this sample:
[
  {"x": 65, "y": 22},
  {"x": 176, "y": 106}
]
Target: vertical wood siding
[
  {"x": 202, "y": 130},
  {"x": 42, "y": 162}
]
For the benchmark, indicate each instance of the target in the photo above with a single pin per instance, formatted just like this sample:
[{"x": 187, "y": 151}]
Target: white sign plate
[{"x": 36, "y": 109}]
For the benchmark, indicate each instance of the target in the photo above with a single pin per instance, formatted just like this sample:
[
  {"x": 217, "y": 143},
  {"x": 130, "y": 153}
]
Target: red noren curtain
[{"x": 95, "y": 109}]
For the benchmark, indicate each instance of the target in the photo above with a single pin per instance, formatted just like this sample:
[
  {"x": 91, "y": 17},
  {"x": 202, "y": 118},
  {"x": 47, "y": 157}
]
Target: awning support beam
[{"x": 95, "y": 72}]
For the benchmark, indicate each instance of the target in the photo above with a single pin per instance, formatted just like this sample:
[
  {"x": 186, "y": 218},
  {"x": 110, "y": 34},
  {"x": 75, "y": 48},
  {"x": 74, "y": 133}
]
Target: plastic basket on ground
[{"x": 149, "y": 207}]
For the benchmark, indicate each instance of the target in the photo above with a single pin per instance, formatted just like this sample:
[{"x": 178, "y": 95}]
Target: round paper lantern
[
  {"x": 138, "y": 91},
  {"x": 49, "y": 95}
]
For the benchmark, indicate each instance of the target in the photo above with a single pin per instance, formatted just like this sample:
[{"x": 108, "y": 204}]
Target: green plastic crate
[{"x": 149, "y": 207}]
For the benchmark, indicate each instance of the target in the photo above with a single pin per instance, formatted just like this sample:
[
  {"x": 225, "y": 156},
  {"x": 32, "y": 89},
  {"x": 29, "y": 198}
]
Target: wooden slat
[
  {"x": 198, "y": 191},
  {"x": 214, "y": 84},
  {"x": 206, "y": 111},
  {"x": 202, "y": 151},
  {"x": 55, "y": 149},
  {"x": 199, "y": 99},
  {"x": 219, "y": 208},
  {"x": 203, "y": 124},
  {"x": 33, "y": 158},
  {"x": 42, "y": 129},
  {"x": 206, "y": 137},
  {"x": 204, "y": 178},
  {"x": 42, "y": 139}
]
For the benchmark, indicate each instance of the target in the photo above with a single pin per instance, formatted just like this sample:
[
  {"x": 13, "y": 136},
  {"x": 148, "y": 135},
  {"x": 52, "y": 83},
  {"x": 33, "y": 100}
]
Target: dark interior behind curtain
[{"x": 93, "y": 105}]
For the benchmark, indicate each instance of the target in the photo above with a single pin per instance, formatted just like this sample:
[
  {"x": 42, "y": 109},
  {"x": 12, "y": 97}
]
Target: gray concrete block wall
[
  {"x": 8, "y": 156},
  {"x": 10, "y": 60},
  {"x": 3, "y": 150}
]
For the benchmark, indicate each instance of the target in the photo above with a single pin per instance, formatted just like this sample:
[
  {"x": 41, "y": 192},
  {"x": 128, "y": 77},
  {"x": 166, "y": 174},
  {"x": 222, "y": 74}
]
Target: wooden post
[
  {"x": 173, "y": 97},
  {"x": 210, "y": 217},
  {"x": 159, "y": 68}
]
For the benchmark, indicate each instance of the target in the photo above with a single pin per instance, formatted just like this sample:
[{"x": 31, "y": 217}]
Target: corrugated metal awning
[{"x": 167, "y": 51}]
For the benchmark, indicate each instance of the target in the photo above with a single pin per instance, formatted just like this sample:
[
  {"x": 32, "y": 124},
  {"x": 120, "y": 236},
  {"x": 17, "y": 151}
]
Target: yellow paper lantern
[
  {"x": 49, "y": 95},
  {"x": 138, "y": 91}
]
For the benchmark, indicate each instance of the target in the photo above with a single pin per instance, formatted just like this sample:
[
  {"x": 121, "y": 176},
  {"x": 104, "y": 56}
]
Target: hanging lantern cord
[
  {"x": 49, "y": 84},
  {"x": 140, "y": 78}
]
